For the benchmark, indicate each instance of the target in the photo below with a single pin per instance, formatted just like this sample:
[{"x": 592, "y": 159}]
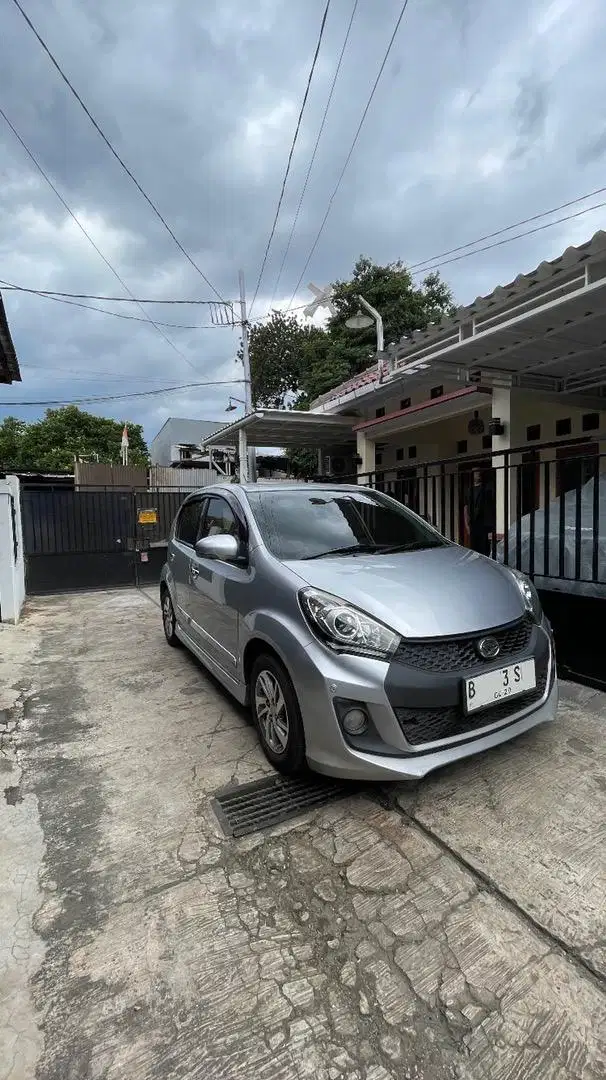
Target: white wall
[
  {"x": 12, "y": 569},
  {"x": 167, "y": 479},
  {"x": 438, "y": 441}
]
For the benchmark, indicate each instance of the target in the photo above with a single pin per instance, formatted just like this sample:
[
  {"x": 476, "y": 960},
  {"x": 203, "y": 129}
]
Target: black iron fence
[
  {"x": 95, "y": 537},
  {"x": 539, "y": 509},
  {"x": 543, "y": 511}
]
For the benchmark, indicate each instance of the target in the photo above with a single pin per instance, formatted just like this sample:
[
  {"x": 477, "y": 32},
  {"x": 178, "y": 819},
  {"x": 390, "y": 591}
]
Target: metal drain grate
[{"x": 272, "y": 800}]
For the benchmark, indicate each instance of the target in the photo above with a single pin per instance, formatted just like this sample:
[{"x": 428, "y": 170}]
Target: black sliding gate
[{"x": 95, "y": 538}]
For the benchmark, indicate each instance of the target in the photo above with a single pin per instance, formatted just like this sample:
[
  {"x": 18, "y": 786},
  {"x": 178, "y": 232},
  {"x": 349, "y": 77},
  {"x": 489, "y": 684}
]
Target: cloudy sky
[{"x": 486, "y": 113}]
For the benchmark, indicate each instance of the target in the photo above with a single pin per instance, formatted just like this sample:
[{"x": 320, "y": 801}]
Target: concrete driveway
[{"x": 451, "y": 930}]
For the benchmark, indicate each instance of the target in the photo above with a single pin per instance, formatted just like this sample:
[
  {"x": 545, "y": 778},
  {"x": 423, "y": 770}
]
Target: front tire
[
  {"x": 277, "y": 715},
  {"x": 169, "y": 621}
]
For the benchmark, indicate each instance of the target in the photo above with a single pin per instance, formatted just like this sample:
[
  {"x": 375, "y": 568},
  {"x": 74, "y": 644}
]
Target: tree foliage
[
  {"x": 292, "y": 363},
  {"x": 52, "y": 443}
]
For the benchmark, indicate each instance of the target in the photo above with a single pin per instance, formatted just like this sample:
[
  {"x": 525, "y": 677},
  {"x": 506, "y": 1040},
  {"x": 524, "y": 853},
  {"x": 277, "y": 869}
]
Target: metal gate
[{"x": 95, "y": 538}]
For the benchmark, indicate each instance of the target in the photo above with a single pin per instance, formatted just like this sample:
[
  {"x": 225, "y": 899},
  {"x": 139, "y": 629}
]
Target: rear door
[
  {"x": 181, "y": 552},
  {"x": 218, "y": 588}
]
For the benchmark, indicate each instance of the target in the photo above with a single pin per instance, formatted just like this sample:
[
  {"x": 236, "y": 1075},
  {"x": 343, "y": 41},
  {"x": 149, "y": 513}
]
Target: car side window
[
  {"x": 188, "y": 522},
  {"x": 219, "y": 519}
]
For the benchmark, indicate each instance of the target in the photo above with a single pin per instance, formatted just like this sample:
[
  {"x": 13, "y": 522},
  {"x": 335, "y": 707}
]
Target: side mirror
[{"x": 222, "y": 546}]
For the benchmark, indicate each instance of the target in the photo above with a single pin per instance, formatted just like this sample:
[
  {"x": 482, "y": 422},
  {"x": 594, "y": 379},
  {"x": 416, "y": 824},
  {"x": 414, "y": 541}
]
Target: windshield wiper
[
  {"x": 413, "y": 545},
  {"x": 353, "y": 549}
]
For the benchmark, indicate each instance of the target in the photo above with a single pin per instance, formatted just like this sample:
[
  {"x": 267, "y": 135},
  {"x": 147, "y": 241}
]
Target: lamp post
[{"x": 360, "y": 321}]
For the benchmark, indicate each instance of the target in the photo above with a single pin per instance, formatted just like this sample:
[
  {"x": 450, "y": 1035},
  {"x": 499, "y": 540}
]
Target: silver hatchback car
[{"x": 367, "y": 645}]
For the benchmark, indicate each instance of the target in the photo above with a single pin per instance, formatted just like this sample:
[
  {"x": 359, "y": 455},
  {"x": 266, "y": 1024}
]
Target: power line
[
  {"x": 85, "y": 374},
  {"x": 351, "y": 150},
  {"x": 120, "y": 299},
  {"x": 278, "y": 311},
  {"x": 507, "y": 228},
  {"x": 91, "y": 241},
  {"x": 105, "y": 311},
  {"x": 317, "y": 143},
  {"x": 291, "y": 152},
  {"x": 119, "y": 397},
  {"x": 111, "y": 148},
  {"x": 510, "y": 239}
]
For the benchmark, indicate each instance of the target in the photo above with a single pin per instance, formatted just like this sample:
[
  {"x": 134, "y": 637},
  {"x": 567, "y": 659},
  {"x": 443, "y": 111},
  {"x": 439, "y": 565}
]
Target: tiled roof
[
  {"x": 363, "y": 379},
  {"x": 545, "y": 275}
]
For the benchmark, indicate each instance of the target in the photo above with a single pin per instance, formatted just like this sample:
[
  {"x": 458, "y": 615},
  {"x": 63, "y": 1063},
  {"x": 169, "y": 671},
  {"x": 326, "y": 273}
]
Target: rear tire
[
  {"x": 277, "y": 716},
  {"x": 169, "y": 621}
]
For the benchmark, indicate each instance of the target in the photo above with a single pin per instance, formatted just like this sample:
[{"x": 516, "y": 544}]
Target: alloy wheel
[
  {"x": 168, "y": 616},
  {"x": 271, "y": 712}
]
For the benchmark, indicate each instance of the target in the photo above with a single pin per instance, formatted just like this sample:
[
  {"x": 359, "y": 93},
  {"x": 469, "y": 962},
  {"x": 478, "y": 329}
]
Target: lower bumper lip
[{"x": 355, "y": 765}]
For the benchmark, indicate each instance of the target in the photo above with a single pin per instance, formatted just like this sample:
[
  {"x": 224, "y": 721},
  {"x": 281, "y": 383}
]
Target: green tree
[
  {"x": 11, "y": 441},
  {"x": 278, "y": 359},
  {"x": 292, "y": 363},
  {"x": 51, "y": 443}
]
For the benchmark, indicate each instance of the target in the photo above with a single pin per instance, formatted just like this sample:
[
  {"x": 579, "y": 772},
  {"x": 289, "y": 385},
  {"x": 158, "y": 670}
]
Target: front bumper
[{"x": 386, "y": 753}]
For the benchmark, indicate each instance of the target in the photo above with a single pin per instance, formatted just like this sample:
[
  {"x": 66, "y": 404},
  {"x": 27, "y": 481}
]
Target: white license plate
[{"x": 501, "y": 683}]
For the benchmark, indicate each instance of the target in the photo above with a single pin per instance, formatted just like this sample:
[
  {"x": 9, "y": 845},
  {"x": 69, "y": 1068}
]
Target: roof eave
[{"x": 8, "y": 356}]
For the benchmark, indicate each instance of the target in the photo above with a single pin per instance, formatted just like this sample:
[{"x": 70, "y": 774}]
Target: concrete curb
[{"x": 583, "y": 696}]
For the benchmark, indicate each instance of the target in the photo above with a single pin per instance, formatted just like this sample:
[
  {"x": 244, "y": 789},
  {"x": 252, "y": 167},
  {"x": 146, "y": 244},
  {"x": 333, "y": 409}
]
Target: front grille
[
  {"x": 432, "y": 725},
  {"x": 459, "y": 653}
]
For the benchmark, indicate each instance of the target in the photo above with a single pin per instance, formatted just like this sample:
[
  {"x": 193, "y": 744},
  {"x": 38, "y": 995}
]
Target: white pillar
[
  {"x": 243, "y": 455},
  {"x": 366, "y": 451},
  {"x": 501, "y": 409},
  {"x": 12, "y": 563}
]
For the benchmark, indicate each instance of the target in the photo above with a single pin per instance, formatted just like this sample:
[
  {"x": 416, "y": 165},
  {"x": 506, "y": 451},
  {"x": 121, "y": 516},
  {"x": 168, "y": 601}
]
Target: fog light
[{"x": 355, "y": 721}]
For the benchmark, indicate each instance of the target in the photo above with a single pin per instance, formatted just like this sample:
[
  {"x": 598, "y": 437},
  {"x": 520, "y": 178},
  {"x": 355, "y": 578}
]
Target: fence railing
[{"x": 543, "y": 508}]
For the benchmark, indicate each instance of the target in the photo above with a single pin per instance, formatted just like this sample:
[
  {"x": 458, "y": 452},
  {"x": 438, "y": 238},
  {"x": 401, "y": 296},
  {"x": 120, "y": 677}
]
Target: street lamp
[
  {"x": 231, "y": 407},
  {"x": 360, "y": 321}
]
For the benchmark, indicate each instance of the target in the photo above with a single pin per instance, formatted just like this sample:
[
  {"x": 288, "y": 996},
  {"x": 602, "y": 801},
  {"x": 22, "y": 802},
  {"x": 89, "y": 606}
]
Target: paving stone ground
[{"x": 451, "y": 930}]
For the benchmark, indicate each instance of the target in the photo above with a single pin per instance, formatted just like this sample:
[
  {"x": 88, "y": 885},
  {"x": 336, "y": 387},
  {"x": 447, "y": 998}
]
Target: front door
[
  {"x": 215, "y": 589},
  {"x": 465, "y": 488}
]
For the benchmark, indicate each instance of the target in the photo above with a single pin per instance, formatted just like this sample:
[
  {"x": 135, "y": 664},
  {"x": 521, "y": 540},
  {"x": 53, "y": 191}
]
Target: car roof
[{"x": 277, "y": 487}]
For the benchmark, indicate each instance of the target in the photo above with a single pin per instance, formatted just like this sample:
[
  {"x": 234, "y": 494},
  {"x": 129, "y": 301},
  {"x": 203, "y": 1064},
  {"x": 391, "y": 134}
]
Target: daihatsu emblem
[{"x": 488, "y": 648}]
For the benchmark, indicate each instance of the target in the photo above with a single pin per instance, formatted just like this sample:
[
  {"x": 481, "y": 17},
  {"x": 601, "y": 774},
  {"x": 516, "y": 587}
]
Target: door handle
[
  {"x": 194, "y": 571},
  {"x": 171, "y": 555}
]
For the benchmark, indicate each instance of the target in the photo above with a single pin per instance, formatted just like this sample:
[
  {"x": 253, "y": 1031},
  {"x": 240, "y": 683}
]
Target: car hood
[{"x": 436, "y": 592}]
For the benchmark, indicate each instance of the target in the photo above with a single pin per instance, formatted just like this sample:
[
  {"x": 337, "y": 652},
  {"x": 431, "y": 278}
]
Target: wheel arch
[{"x": 256, "y": 647}]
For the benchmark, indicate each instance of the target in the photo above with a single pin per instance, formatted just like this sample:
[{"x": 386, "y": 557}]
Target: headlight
[
  {"x": 346, "y": 629},
  {"x": 530, "y": 595}
]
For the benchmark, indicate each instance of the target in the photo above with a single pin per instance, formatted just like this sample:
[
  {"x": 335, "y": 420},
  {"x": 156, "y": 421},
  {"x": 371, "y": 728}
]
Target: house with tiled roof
[{"x": 513, "y": 385}]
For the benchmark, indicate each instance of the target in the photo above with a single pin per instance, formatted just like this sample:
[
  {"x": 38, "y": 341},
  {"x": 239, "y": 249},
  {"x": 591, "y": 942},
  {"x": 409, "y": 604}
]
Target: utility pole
[{"x": 248, "y": 464}]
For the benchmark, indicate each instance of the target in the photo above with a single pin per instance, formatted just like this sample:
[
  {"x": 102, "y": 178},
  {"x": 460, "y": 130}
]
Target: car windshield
[{"x": 313, "y": 523}]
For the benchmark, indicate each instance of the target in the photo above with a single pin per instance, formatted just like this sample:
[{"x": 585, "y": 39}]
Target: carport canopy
[
  {"x": 286, "y": 427},
  {"x": 544, "y": 331}
]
